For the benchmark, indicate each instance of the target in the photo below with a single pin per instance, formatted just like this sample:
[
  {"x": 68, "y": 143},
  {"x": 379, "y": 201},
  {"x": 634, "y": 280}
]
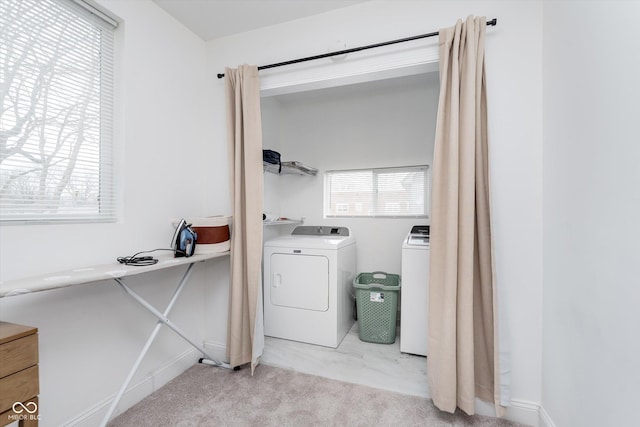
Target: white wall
[
  {"x": 90, "y": 335},
  {"x": 369, "y": 125},
  {"x": 514, "y": 74},
  {"x": 168, "y": 99},
  {"x": 590, "y": 371}
]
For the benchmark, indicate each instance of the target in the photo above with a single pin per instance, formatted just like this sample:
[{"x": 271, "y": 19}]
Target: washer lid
[{"x": 421, "y": 229}]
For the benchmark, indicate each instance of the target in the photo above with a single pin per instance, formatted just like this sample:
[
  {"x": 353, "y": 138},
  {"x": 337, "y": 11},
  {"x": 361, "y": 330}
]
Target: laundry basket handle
[{"x": 377, "y": 274}]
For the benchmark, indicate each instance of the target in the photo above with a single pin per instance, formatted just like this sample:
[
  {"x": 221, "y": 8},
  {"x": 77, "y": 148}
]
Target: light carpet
[{"x": 208, "y": 396}]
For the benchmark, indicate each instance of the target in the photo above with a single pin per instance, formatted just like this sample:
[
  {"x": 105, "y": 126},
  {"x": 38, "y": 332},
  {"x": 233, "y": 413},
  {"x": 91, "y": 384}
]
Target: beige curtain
[
  {"x": 463, "y": 335},
  {"x": 245, "y": 339}
]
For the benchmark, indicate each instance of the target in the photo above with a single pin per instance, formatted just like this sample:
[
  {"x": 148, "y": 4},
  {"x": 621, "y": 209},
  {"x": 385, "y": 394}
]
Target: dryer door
[{"x": 300, "y": 281}]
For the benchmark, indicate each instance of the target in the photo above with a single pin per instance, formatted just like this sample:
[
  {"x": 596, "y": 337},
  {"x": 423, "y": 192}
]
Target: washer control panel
[
  {"x": 420, "y": 229},
  {"x": 419, "y": 235}
]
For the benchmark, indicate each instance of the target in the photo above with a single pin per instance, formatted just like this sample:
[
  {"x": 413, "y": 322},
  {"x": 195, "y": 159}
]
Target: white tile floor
[{"x": 377, "y": 365}]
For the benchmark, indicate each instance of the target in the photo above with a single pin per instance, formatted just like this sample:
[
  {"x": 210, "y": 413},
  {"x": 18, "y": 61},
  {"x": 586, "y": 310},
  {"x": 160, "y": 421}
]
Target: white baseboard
[
  {"x": 520, "y": 411},
  {"x": 138, "y": 391},
  {"x": 216, "y": 350},
  {"x": 545, "y": 419},
  {"x": 524, "y": 412}
]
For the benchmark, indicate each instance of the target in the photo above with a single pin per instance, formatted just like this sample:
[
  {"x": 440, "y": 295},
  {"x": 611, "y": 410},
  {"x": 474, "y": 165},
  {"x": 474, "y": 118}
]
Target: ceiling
[{"x": 211, "y": 19}]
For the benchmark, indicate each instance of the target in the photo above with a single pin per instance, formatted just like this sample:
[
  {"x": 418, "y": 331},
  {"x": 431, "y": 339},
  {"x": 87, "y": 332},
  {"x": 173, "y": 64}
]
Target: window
[
  {"x": 56, "y": 68},
  {"x": 385, "y": 192}
]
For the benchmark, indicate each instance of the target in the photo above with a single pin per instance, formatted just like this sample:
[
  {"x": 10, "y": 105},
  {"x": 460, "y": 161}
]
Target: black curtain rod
[{"x": 494, "y": 21}]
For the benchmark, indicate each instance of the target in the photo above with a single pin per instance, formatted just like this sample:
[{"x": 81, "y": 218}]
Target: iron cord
[{"x": 140, "y": 261}]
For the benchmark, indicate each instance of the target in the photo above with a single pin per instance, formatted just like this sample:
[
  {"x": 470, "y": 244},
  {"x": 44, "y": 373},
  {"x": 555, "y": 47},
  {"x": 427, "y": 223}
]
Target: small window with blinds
[
  {"x": 384, "y": 192},
  {"x": 56, "y": 68}
]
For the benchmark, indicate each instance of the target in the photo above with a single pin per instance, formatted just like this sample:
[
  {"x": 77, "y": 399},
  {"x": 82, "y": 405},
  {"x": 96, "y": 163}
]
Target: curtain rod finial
[
  {"x": 220, "y": 75},
  {"x": 494, "y": 21}
]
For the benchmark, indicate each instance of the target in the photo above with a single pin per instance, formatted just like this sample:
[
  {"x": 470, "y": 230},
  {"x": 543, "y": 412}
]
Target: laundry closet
[{"x": 384, "y": 123}]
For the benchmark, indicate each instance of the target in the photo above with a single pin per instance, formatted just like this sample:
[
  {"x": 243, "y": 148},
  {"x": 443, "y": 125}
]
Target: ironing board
[{"x": 117, "y": 272}]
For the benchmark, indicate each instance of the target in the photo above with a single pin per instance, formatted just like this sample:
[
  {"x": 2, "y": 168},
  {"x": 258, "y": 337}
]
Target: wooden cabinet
[{"x": 19, "y": 385}]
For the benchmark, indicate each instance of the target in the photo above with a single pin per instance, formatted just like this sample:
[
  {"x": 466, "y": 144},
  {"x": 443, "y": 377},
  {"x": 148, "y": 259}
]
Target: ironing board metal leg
[
  {"x": 162, "y": 320},
  {"x": 135, "y": 367},
  {"x": 165, "y": 320}
]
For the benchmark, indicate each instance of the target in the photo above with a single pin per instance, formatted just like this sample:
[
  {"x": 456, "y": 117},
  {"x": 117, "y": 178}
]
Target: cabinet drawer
[
  {"x": 18, "y": 387},
  {"x": 18, "y": 354}
]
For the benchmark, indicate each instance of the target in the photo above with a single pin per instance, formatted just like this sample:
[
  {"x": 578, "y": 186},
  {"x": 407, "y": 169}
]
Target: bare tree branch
[{"x": 43, "y": 126}]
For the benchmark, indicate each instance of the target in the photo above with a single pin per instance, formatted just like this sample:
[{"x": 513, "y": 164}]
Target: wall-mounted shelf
[
  {"x": 290, "y": 168},
  {"x": 284, "y": 221}
]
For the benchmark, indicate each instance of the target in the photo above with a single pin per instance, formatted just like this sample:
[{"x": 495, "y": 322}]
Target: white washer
[
  {"x": 414, "y": 305},
  {"x": 307, "y": 285}
]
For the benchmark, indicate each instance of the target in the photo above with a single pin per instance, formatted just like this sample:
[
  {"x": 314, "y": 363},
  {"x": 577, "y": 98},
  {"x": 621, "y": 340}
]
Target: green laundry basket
[{"x": 377, "y": 306}]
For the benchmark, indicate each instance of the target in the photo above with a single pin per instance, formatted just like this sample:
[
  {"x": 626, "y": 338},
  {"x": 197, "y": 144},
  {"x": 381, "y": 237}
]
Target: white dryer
[
  {"x": 307, "y": 285},
  {"x": 414, "y": 304}
]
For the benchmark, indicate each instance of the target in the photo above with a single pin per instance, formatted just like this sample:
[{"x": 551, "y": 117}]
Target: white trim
[
  {"x": 345, "y": 71},
  {"x": 520, "y": 411},
  {"x": 523, "y": 411},
  {"x": 303, "y": 85},
  {"x": 545, "y": 419},
  {"x": 217, "y": 350}
]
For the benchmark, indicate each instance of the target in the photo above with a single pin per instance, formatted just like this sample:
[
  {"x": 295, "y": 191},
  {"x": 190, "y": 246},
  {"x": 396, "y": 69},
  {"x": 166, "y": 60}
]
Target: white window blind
[
  {"x": 384, "y": 192},
  {"x": 56, "y": 70}
]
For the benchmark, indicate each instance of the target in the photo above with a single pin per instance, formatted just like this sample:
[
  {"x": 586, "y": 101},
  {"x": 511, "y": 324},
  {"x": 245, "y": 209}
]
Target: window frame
[{"x": 376, "y": 172}]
